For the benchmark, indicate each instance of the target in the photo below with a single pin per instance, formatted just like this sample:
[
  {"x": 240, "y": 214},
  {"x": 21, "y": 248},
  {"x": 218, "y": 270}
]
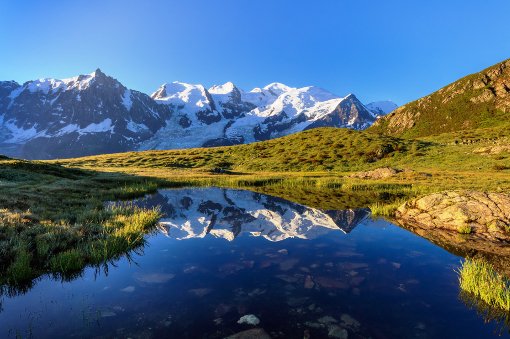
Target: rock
[
  {"x": 108, "y": 314},
  {"x": 249, "y": 319},
  {"x": 288, "y": 264},
  {"x": 254, "y": 333},
  {"x": 492, "y": 150},
  {"x": 482, "y": 215},
  {"x": 327, "y": 320},
  {"x": 350, "y": 322},
  {"x": 128, "y": 289},
  {"x": 327, "y": 282},
  {"x": 154, "y": 278},
  {"x": 378, "y": 173},
  {"x": 335, "y": 331},
  {"x": 200, "y": 292},
  {"x": 309, "y": 282}
]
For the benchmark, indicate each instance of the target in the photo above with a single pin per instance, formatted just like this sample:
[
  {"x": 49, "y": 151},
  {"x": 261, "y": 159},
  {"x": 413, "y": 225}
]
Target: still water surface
[{"x": 221, "y": 254}]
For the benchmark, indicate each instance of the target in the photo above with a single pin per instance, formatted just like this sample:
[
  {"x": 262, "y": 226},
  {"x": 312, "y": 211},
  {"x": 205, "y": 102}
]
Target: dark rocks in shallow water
[
  {"x": 327, "y": 282},
  {"x": 309, "y": 283},
  {"x": 254, "y": 333}
]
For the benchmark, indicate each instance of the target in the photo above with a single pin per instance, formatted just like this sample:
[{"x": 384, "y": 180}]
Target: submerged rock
[
  {"x": 482, "y": 215},
  {"x": 327, "y": 320},
  {"x": 254, "y": 333},
  {"x": 128, "y": 289},
  {"x": 249, "y": 319},
  {"x": 335, "y": 331},
  {"x": 154, "y": 278},
  {"x": 350, "y": 322},
  {"x": 309, "y": 282}
]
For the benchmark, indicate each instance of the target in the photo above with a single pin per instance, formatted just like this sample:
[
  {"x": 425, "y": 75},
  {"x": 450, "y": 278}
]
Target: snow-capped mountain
[
  {"x": 380, "y": 108},
  {"x": 94, "y": 113},
  {"x": 226, "y": 115},
  {"x": 226, "y": 213},
  {"x": 87, "y": 114}
]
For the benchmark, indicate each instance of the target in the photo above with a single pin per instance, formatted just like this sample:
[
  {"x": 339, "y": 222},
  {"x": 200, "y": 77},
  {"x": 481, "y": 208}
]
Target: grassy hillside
[
  {"x": 478, "y": 100},
  {"x": 322, "y": 149},
  {"x": 330, "y": 150}
]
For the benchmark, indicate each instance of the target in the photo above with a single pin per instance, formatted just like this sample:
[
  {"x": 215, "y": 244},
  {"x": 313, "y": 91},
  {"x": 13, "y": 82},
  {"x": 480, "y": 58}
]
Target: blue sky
[{"x": 399, "y": 50}]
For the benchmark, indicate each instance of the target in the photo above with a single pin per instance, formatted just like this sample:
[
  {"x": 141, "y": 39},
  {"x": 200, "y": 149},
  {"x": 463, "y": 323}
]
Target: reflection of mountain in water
[{"x": 225, "y": 213}]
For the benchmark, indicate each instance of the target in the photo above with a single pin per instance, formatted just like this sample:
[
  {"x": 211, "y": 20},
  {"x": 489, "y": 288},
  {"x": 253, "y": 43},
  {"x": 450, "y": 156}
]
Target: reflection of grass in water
[
  {"x": 487, "y": 312},
  {"x": 479, "y": 279}
]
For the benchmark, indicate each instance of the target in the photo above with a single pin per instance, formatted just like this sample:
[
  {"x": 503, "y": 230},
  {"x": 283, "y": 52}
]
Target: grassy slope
[
  {"x": 323, "y": 149},
  {"x": 450, "y": 109},
  {"x": 329, "y": 152}
]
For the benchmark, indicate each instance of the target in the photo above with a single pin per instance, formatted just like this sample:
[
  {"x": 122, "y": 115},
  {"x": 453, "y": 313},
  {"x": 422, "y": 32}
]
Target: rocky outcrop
[
  {"x": 378, "y": 173},
  {"x": 478, "y": 214}
]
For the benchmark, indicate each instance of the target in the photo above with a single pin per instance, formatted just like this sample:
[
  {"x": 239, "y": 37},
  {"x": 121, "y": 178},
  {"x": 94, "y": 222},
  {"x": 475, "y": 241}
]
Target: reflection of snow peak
[{"x": 222, "y": 213}]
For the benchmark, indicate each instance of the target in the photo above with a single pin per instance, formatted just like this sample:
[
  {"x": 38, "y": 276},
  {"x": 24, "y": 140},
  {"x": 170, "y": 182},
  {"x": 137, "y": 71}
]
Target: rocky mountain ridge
[{"x": 478, "y": 100}]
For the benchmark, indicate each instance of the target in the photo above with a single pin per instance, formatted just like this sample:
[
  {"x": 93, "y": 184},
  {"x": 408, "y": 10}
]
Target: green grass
[
  {"x": 478, "y": 278},
  {"x": 54, "y": 220},
  {"x": 323, "y": 149},
  {"x": 465, "y": 229}
]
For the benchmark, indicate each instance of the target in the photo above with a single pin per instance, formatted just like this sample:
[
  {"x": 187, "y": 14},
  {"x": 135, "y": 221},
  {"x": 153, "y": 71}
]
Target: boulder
[
  {"x": 482, "y": 215},
  {"x": 378, "y": 173}
]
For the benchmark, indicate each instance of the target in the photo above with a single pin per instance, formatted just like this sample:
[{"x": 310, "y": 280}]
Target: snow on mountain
[
  {"x": 225, "y": 213},
  {"x": 94, "y": 113},
  {"x": 263, "y": 113},
  {"x": 82, "y": 115},
  {"x": 379, "y": 108}
]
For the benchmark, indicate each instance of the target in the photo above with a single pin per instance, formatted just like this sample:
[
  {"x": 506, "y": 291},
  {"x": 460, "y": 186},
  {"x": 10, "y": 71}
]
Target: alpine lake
[{"x": 235, "y": 263}]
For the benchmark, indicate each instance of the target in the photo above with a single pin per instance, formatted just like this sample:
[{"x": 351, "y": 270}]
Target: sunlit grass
[{"x": 478, "y": 278}]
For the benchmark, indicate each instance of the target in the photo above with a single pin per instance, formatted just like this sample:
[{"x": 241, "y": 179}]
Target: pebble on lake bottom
[{"x": 249, "y": 319}]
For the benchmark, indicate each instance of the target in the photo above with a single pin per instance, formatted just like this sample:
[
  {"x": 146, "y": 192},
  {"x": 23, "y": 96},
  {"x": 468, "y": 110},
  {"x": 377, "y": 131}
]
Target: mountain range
[{"x": 95, "y": 114}]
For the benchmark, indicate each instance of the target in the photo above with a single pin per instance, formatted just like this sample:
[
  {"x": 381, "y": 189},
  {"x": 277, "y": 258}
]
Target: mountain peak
[
  {"x": 278, "y": 86},
  {"x": 226, "y": 88},
  {"x": 98, "y": 73}
]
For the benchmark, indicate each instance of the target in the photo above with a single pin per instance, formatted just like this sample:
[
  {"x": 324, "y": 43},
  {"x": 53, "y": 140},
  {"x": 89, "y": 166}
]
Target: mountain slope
[
  {"x": 87, "y": 114},
  {"x": 380, "y": 108},
  {"x": 478, "y": 100},
  {"x": 225, "y": 115}
]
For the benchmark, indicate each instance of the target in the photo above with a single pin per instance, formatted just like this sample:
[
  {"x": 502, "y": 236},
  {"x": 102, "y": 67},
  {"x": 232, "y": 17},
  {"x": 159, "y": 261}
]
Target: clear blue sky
[{"x": 399, "y": 50}]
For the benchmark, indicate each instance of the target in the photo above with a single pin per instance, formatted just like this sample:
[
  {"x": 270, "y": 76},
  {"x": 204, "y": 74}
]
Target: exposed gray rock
[
  {"x": 378, "y": 173},
  {"x": 249, "y": 319},
  {"x": 482, "y": 215}
]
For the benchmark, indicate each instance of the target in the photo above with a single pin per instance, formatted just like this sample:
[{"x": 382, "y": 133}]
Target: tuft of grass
[
  {"x": 386, "y": 209},
  {"x": 478, "y": 278},
  {"x": 465, "y": 229}
]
